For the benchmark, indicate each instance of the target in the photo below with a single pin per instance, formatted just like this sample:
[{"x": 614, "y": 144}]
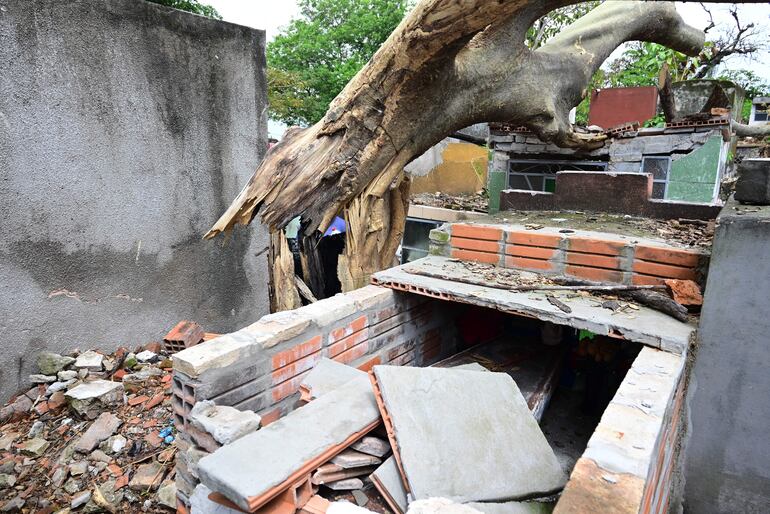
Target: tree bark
[
  {"x": 666, "y": 93},
  {"x": 447, "y": 65},
  {"x": 742, "y": 130}
]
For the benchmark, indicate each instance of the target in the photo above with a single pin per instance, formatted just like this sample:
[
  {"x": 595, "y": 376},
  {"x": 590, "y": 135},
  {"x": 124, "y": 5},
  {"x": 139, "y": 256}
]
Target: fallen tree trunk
[
  {"x": 742, "y": 130},
  {"x": 447, "y": 65}
]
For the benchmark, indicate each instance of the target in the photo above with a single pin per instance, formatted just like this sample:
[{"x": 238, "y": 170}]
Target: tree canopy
[
  {"x": 193, "y": 6},
  {"x": 316, "y": 54}
]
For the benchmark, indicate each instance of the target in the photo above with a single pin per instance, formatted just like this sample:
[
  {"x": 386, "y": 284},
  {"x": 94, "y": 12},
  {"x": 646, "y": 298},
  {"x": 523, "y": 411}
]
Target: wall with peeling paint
[{"x": 125, "y": 130}]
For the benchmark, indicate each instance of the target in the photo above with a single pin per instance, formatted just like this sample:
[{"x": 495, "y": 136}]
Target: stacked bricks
[
  {"x": 260, "y": 367},
  {"x": 630, "y": 457},
  {"x": 592, "y": 256}
]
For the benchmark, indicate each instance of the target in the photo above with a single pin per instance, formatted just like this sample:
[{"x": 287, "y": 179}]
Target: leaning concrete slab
[
  {"x": 258, "y": 467},
  {"x": 645, "y": 325},
  {"x": 326, "y": 376},
  {"x": 464, "y": 435},
  {"x": 387, "y": 480}
]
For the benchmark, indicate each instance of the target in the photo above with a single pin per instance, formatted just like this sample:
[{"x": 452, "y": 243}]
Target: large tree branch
[
  {"x": 448, "y": 64},
  {"x": 742, "y": 130}
]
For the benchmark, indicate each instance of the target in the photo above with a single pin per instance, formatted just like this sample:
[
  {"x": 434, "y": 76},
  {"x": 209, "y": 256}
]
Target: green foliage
[
  {"x": 641, "y": 62},
  {"x": 753, "y": 85},
  {"x": 553, "y": 22},
  {"x": 193, "y": 6},
  {"x": 316, "y": 55}
]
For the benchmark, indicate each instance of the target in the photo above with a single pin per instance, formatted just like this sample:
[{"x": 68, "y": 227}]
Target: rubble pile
[
  {"x": 476, "y": 202},
  {"x": 385, "y": 440},
  {"x": 94, "y": 434}
]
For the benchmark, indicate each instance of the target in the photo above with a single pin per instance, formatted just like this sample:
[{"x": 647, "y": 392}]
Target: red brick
[
  {"x": 677, "y": 257},
  {"x": 532, "y": 252},
  {"x": 664, "y": 270},
  {"x": 470, "y": 255},
  {"x": 475, "y": 244},
  {"x": 285, "y": 357},
  {"x": 295, "y": 368},
  {"x": 521, "y": 262},
  {"x": 41, "y": 408},
  {"x": 348, "y": 343},
  {"x": 122, "y": 482},
  {"x": 593, "y": 260},
  {"x": 599, "y": 246},
  {"x": 533, "y": 239},
  {"x": 354, "y": 353},
  {"x": 684, "y": 292},
  {"x": 137, "y": 400},
  {"x": 476, "y": 232},
  {"x": 154, "y": 401},
  {"x": 352, "y": 327},
  {"x": 270, "y": 416},
  {"x": 368, "y": 365},
  {"x": 595, "y": 274},
  {"x": 287, "y": 388},
  {"x": 646, "y": 280}
]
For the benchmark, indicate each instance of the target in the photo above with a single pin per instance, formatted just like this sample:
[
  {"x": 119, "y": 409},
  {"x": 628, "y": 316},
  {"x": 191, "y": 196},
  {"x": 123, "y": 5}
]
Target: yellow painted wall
[{"x": 463, "y": 170}]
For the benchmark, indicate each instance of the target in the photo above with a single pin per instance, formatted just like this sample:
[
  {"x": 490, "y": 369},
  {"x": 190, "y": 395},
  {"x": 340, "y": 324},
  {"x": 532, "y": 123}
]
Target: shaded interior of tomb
[{"x": 567, "y": 376}]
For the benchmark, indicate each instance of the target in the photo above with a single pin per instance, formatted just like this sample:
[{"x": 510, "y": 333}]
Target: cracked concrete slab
[
  {"x": 261, "y": 462},
  {"x": 646, "y": 326},
  {"x": 464, "y": 435}
]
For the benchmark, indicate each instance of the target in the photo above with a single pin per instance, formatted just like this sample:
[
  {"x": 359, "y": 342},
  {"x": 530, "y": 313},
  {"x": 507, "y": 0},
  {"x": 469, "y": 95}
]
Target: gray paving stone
[
  {"x": 388, "y": 482},
  {"x": 225, "y": 424},
  {"x": 353, "y": 459},
  {"x": 238, "y": 470},
  {"x": 466, "y": 436},
  {"x": 349, "y": 484},
  {"x": 328, "y": 375},
  {"x": 371, "y": 445}
]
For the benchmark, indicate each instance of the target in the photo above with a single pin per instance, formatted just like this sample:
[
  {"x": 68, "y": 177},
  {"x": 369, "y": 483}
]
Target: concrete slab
[
  {"x": 513, "y": 507},
  {"x": 255, "y": 468},
  {"x": 387, "y": 480},
  {"x": 464, "y": 435},
  {"x": 645, "y": 326},
  {"x": 353, "y": 459},
  {"x": 371, "y": 445},
  {"x": 326, "y": 376}
]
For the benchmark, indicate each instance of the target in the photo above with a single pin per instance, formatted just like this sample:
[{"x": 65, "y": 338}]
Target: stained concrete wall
[
  {"x": 125, "y": 130},
  {"x": 728, "y": 457}
]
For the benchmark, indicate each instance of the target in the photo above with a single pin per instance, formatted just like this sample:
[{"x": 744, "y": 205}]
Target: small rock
[
  {"x": 78, "y": 468},
  {"x": 130, "y": 361},
  {"x": 59, "y": 476},
  {"x": 371, "y": 446},
  {"x": 146, "y": 476},
  {"x": 108, "y": 364},
  {"x": 146, "y": 356},
  {"x": 80, "y": 499},
  {"x": 106, "y": 497},
  {"x": 58, "y": 386},
  {"x": 7, "y": 480},
  {"x": 82, "y": 373},
  {"x": 8, "y": 467},
  {"x": 13, "y": 505},
  {"x": 7, "y": 440},
  {"x": 166, "y": 363},
  {"x": 360, "y": 497},
  {"x": 114, "y": 444},
  {"x": 89, "y": 360},
  {"x": 36, "y": 429},
  {"x": 42, "y": 379},
  {"x": 35, "y": 447},
  {"x": 104, "y": 426},
  {"x": 100, "y": 456},
  {"x": 67, "y": 375},
  {"x": 225, "y": 424},
  {"x": 348, "y": 484},
  {"x": 50, "y": 363},
  {"x": 167, "y": 494},
  {"x": 72, "y": 486},
  {"x": 90, "y": 398},
  {"x": 15, "y": 410}
]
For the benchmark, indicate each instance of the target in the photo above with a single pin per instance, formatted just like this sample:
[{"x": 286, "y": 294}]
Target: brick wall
[
  {"x": 261, "y": 366},
  {"x": 628, "y": 465},
  {"x": 585, "y": 255}
]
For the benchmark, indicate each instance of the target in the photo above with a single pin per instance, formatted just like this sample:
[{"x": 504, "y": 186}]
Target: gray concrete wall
[
  {"x": 728, "y": 455},
  {"x": 125, "y": 130}
]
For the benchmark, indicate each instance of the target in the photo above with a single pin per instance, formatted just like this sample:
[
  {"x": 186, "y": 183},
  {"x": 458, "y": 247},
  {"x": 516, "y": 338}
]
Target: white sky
[{"x": 271, "y": 15}]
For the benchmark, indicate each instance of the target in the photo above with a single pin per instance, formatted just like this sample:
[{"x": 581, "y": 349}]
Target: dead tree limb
[
  {"x": 447, "y": 65},
  {"x": 743, "y": 130}
]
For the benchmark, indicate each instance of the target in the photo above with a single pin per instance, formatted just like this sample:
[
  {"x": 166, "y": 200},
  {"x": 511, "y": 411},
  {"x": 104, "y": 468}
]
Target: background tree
[
  {"x": 313, "y": 58},
  {"x": 552, "y": 23},
  {"x": 193, "y": 6}
]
